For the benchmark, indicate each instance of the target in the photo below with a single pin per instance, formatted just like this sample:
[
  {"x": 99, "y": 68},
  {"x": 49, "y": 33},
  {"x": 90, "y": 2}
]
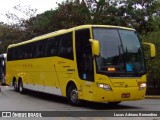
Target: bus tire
[
  {"x": 15, "y": 86},
  {"x": 20, "y": 87},
  {"x": 72, "y": 95}
]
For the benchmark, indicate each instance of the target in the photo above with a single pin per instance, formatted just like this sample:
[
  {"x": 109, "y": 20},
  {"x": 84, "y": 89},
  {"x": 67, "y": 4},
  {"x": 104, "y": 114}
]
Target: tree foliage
[
  {"x": 70, "y": 14},
  {"x": 153, "y": 65},
  {"x": 38, "y": 25},
  {"x": 8, "y": 35}
]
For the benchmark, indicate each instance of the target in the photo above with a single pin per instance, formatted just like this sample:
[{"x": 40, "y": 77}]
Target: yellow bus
[{"x": 99, "y": 63}]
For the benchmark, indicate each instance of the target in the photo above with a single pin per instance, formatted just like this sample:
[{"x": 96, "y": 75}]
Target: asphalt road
[{"x": 34, "y": 101}]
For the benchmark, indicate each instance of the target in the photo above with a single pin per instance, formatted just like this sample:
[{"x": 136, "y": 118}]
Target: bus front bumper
[{"x": 119, "y": 94}]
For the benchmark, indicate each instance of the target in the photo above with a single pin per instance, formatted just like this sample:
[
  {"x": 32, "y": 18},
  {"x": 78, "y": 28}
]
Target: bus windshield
[{"x": 120, "y": 52}]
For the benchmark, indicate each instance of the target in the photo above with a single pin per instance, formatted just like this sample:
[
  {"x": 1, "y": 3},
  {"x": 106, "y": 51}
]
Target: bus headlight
[
  {"x": 141, "y": 85},
  {"x": 104, "y": 86}
]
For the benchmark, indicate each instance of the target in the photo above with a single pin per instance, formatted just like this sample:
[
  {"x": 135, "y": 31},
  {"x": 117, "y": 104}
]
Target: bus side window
[
  {"x": 21, "y": 52},
  {"x": 33, "y": 50},
  {"x": 52, "y": 45},
  {"x": 28, "y": 51},
  {"x": 66, "y": 47},
  {"x": 40, "y": 49},
  {"x": 14, "y": 54},
  {"x": 9, "y": 55}
]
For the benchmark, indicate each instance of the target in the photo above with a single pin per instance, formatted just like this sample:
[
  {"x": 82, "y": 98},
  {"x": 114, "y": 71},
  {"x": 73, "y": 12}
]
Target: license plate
[{"x": 126, "y": 95}]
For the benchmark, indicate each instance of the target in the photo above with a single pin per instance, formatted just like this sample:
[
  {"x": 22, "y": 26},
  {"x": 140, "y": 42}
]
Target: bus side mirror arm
[
  {"x": 152, "y": 49},
  {"x": 95, "y": 47}
]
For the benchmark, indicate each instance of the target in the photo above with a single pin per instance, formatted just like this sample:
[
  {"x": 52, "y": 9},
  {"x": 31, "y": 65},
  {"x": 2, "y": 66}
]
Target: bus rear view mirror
[
  {"x": 152, "y": 49},
  {"x": 95, "y": 46}
]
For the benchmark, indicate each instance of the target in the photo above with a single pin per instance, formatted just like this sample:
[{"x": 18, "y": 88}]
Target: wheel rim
[{"x": 74, "y": 96}]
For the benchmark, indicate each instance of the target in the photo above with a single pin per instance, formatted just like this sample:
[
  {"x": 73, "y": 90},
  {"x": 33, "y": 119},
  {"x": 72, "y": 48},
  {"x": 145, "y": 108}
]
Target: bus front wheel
[{"x": 72, "y": 95}]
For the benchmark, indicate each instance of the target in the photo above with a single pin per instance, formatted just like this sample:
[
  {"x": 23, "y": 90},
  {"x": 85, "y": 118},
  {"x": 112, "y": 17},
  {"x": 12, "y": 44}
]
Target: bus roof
[{"x": 63, "y": 31}]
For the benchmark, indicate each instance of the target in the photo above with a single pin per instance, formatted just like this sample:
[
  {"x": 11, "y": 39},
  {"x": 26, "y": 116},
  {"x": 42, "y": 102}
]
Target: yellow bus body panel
[{"x": 45, "y": 72}]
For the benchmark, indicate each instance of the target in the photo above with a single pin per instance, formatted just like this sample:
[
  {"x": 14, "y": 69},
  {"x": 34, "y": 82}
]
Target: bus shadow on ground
[
  {"x": 84, "y": 104},
  {"x": 106, "y": 106}
]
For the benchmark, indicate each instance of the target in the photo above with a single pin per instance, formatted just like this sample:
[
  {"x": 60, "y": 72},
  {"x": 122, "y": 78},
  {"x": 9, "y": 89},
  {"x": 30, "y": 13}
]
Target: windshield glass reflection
[{"x": 120, "y": 51}]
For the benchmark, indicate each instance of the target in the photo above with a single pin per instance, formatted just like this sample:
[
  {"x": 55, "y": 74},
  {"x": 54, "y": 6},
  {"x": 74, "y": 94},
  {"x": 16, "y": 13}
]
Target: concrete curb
[{"x": 152, "y": 97}]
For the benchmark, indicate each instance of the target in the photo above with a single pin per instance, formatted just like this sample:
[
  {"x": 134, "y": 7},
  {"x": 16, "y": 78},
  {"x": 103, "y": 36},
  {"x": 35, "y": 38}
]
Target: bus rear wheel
[
  {"x": 72, "y": 95},
  {"x": 21, "y": 89}
]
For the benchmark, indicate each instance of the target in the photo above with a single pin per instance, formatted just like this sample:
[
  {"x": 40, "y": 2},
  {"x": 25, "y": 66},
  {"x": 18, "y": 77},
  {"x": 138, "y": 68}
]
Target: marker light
[
  {"x": 111, "y": 69},
  {"x": 104, "y": 86}
]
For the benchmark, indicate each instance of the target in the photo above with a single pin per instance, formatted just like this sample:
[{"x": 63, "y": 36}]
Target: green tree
[
  {"x": 153, "y": 65},
  {"x": 8, "y": 35},
  {"x": 140, "y": 14},
  {"x": 38, "y": 25},
  {"x": 70, "y": 14},
  {"x": 67, "y": 15}
]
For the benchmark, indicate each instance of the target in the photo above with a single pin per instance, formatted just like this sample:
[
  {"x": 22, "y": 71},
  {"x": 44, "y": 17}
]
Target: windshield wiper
[{"x": 121, "y": 58}]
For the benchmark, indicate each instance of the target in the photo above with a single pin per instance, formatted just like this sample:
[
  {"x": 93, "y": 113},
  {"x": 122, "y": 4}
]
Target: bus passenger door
[
  {"x": 84, "y": 64},
  {"x": 86, "y": 74}
]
